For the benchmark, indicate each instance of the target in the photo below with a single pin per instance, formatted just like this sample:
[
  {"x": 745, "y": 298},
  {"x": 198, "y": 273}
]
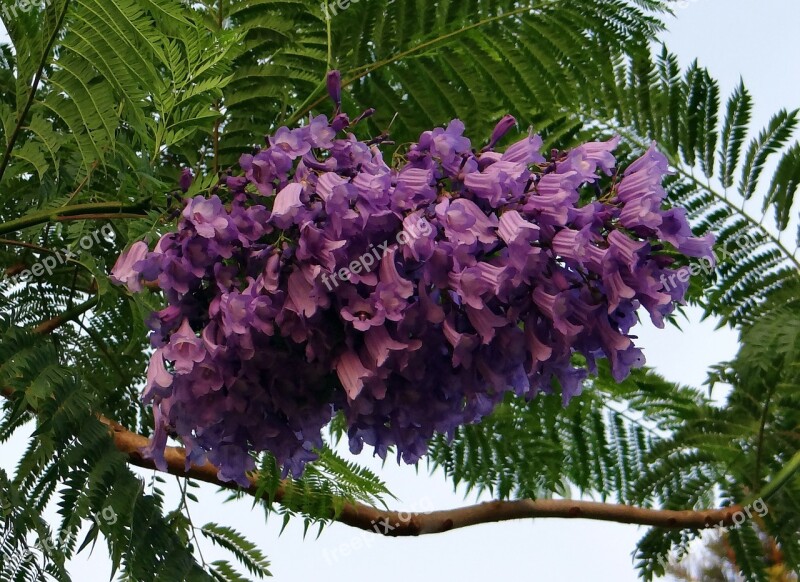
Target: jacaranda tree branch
[
  {"x": 91, "y": 211},
  {"x": 394, "y": 523}
]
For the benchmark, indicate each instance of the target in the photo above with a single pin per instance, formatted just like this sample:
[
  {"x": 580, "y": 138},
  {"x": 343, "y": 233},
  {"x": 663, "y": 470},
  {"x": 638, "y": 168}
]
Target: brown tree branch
[
  {"x": 26, "y": 245},
  {"x": 88, "y": 211},
  {"x": 401, "y": 524},
  {"x": 395, "y": 524},
  {"x": 55, "y": 322},
  {"x": 14, "y": 269},
  {"x": 100, "y": 216}
]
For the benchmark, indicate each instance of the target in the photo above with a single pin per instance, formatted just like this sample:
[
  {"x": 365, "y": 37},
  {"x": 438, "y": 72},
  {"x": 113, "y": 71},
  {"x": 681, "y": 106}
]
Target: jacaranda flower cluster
[{"x": 519, "y": 265}]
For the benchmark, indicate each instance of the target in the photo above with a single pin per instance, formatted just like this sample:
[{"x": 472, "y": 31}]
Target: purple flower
[
  {"x": 502, "y": 128},
  {"x": 125, "y": 271},
  {"x": 207, "y": 215},
  {"x": 288, "y": 202},
  {"x": 361, "y": 313},
  {"x": 250, "y": 223},
  {"x": 674, "y": 229},
  {"x": 465, "y": 223},
  {"x": 199, "y": 254},
  {"x": 643, "y": 211},
  {"x": 587, "y": 158},
  {"x": 266, "y": 168},
  {"x": 652, "y": 162},
  {"x": 158, "y": 442},
  {"x": 159, "y": 379},
  {"x": 315, "y": 244},
  {"x": 550, "y": 203},
  {"x": 415, "y": 187},
  {"x": 393, "y": 290},
  {"x": 176, "y": 274},
  {"x": 411, "y": 299},
  {"x": 473, "y": 283},
  {"x": 557, "y": 309},
  {"x": 233, "y": 463},
  {"x": 485, "y": 322},
  {"x": 622, "y": 362},
  {"x": 513, "y": 228},
  {"x": 235, "y": 311},
  {"x": 293, "y": 142},
  {"x": 573, "y": 244},
  {"x": 304, "y": 297},
  {"x": 380, "y": 344},
  {"x": 628, "y": 251},
  {"x": 320, "y": 133},
  {"x": 185, "y": 349},
  {"x": 525, "y": 151},
  {"x": 500, "y": 182},
  {"x": 352, "y": 373},
  {"x": 350, "y": 152},
  {"x": 207, "y": 377},
  {"x": 642, "y": 179},
  {"x": 446, "y": 143}
]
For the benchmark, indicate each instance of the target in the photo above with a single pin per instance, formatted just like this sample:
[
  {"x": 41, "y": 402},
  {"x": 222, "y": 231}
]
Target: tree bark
[{"x": 398, "y": 523}]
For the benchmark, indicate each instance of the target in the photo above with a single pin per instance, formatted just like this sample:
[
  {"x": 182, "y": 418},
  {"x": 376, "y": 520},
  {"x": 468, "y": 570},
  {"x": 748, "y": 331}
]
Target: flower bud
[
  {"x": 501, "y": 129},
  {"x": 186, "y": 179},
  {"x": 335, "y": 87}
]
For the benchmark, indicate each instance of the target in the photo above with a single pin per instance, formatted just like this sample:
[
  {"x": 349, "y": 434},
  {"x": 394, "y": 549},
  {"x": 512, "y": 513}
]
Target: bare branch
[
  {"x": 402, "y": 524},
  {"x": 54, "y": 323},
  {"x": 375, "y": 520}
]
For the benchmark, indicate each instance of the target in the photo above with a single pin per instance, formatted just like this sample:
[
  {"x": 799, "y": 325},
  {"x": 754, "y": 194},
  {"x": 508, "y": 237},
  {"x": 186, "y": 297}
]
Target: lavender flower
[{"x": 418, "y": 330}]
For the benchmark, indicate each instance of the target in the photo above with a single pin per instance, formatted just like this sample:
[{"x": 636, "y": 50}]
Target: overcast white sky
[{"x": 733, "y": 38}]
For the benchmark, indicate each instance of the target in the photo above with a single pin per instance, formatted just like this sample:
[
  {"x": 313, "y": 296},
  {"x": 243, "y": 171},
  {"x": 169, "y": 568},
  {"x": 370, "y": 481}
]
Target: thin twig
[
  {"x": 101, "y": 216},
  {"x": 55, "y": 322},
  {"x": 27, "y": 245},
  {"x": 91, "y": 211},
  {"x": 761, "y": 434},
  {"x": 83, "y": 183},
  {"x": 184, "y": 490}
]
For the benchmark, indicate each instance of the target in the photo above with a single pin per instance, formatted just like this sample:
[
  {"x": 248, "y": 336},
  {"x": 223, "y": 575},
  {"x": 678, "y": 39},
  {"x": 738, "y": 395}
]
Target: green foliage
[
  {"x": 71, "y": 461},
  {"x": 103, "y": 102},
  {"x": 429, "y": 62},
  {"x": 657, "y": 444},
  {"x": 18, "y": 560},
  {"x": 320, "y": 494},
  {"x": 648, "y": 98},
  {"x": 598, "y": 445},
  {"x": 418, "y": 63},
  {"x": 246, "y": 552}
]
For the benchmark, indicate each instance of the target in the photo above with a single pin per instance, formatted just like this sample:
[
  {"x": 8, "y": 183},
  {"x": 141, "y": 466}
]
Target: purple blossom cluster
[{"x": 526, "y": 272}]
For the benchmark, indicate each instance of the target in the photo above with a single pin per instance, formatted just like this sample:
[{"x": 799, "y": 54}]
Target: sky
[{"x": 733, "y": 38}]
